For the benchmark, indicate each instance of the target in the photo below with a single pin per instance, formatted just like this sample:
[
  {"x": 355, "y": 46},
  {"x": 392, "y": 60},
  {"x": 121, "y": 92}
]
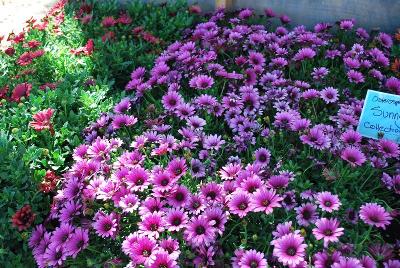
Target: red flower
[
  {"x": 9, "y": 51},
  {"x": 86, "y": 50},
  {"x": 48, "y": 85},
  {"x": 42, "y": 121},
  {"x": 150, "y": 38},
  {"x": 37, "y": 53},
  {"x": 23, "y": 218},
  {"x": 108, "y": 22},
  {"x": 41, "y": 26},
  {"x": 20, "y": 91},
  {"x": 4, "y": 91},
  {"x": 195, "y": 9},
  {"x": 124, "y": 19},
  {"x": 19, "y": 38},
  {"x": 32, "y": 44},
  {"x": 25, "y": 59},
  {"x": 86, "y": 19},
  {"x": 137, "y": 30},
  {"x": 108, "y": 36},
  {"x": 49, "y": 182}
]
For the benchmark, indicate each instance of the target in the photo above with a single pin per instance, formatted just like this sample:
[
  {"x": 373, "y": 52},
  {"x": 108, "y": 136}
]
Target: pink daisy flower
[
  {"x": 106, "y": 225},
  {"x": 289, "y": 249},
  {"x": 152, "y": 224},
  {"x": 328, "y": 202},
  {"x": 375, "y": 215},
  {"x": 253, "y": 259},
  {"x": 265, "y": 200},
  {"x": 240, "y": 203},
  {"x": 328, "y": 230},
  {"x": 199, "y": 232}
]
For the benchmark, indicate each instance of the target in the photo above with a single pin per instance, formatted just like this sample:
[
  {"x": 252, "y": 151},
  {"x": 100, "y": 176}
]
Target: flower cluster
[{"x": 225, "y": 142}]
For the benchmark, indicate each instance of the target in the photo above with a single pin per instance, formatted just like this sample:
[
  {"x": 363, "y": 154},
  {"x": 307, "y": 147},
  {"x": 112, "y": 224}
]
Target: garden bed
[{"x": 161, "y": 138}]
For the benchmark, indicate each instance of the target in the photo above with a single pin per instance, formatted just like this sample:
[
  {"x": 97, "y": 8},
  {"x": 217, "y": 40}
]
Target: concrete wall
[{"x": 384, "y": 14}]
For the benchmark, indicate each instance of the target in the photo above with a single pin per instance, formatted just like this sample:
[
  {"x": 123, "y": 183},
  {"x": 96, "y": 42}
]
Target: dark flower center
[
  {"x": 176, "y": 221},
  {"x": 252, "y": 189},
  {"x": 291, "y": 251},
  {"x": 262, "y": 158},
  {"x": 265, "y": 203},
  {"x": 179, "y": 196},
  {"x": 196, "y": 204},
  {"x": 351, "y": 159},
  {"x": 172, "y": 102},
  {"x": 253, "y": 264},
  {"x": 177, "y": 171},
  {"x": 328, "y": 232},
  {"x": 64, "y": 237},
  {"x": 153, "y": 227},
  {"x": 200, "y": 230},
  {"x": 107, "y": 226},
  {"x": 242, "y": 206},
  {"x": 80, "y": 244},
  {"x": 211, "y": 195},
  {"x": 195, "y": 169},
  {"x": 139, "y": 182},
  {"x": 328, "y": 203},
  {"x": 306, "y": 214},
  {"x": 374, "y": 218},
  {"x": 58, "y": 255},
  {"x": 146, "y": 253},
  {"x": 164, "y": 182}
]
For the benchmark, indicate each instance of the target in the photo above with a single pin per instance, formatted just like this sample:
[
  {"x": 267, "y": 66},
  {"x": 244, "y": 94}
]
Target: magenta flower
[
  {"x": 328, "y": 202},
  {"x": 262, "y": 156},
  {"x": 78, "y": 241},
  {"x": 306, "y": 214},
  {"x": 163, "y": 259},
  {"x": 265, "y": 201},
  {"x": 138, "y": 179},
  {"x": 177, "y": 167},
  {"x": 329, "y": 95},
  {"x": 388, "y": 148},
  {"x": 152, "y": 224},
  {"x": 355, "y": 77},
  {"x": 199, "y": 232},
  {"x": 201, "y": 82},
  {"x": 55, "y": 256},
  {"x": 106, "y": 225},
  {"x": 253, "y": 259},
  {"x": 328, "y": 230},
  {"x": 240, "y": 203},
  {"x": 143, "y": 249},
  {"x": 347, "y": 263},
  {"x": 375, "y": 215},
  {"x": 176, "y": 219},
  {"x": 353, "y": 155},
  {"x": 304, "y": 53},
  {"x": 289, "y": 249}
]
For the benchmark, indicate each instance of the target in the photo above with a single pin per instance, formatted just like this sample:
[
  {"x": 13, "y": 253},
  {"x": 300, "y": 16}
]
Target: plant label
[{"x": 380, "y": 116}]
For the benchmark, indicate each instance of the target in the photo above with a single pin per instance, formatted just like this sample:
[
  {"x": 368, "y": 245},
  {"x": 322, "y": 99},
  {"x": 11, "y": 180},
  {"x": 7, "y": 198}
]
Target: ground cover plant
[
  {"x": 59, "y": 74},
  {"x": 237, "y": 148}
]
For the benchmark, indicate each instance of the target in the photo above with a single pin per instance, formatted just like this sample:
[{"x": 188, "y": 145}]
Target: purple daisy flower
[
  {"x": 177, "y": 167},
  {"x": 325, "y": 260},
  {"x": 316, "y": 139},
  {"x": 289, "y": 249},
  {"x": 106, "y": 225},
  {"x": 62, "y": 235},
  {"x": 385, "y": 39},
  {"x": 328, "y": 202},
  {"x": 55, "y": 256},
  {"x": 304, "y": 53},
  {"x": 328, "y": 230},
  {"x": 176, "y": 219},
  {"x": 353, "y": 155},
  {"x": 164, "y": 260},
  {"x": 143, "y": 249},
  {"x": 213, "y": 142},
  {"x": 392, "y": 264},
  {"x": 123, "y": 106},
  {"x": 78, "y": 241},
  {"x": 199, "y": 231},
  {"x": 197, "y": 168},
  {"x": 129, "y": 203},
  {"x": 347, "y": 263},
  {"x": 351, "y": 137},
  {"x": 388, "y": 148},
  {"x": 265, "y": 201},
  {"x": 138, "y": 179},
  {"x": 375, "y": 215},
  {"x": 262, "y": 156},
  {"x": 346, "y": 24},
  {"x": 121, "y": 120},
  {"x": 217, "y": 217},
  {"x": 171, "y": 100},
  {"x": 253, "y": 259},
  {"x": 201, "y": 82},
  {"x": 211, "y": 192},
  {"x": 319, "y": 73},
  {"x": 240, "y": 203},
  {"x": 329, "y": 95},
  {"x": 368, "y": 262},
  {"x": 152, "y": 224},
  {"x": 355, "y": 77},
  {"x": 179, "y": 196},
  {"x": 306, "y": 214}
]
